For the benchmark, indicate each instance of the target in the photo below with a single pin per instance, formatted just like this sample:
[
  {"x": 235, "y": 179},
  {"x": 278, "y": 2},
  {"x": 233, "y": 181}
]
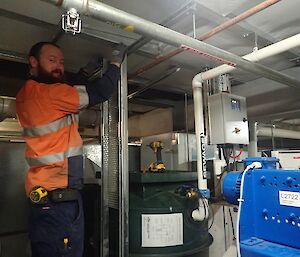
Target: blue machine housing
[{"x": 270, "y": 212}]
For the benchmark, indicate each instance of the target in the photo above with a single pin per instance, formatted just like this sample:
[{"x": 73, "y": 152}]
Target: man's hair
[{"x": 35, "y": 50}]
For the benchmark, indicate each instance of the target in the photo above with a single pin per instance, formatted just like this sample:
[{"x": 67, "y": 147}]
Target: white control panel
[{"x": 228, "y": 119}]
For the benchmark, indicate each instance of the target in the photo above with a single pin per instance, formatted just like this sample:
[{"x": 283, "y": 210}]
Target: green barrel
[{"x": 160, "y": 219}]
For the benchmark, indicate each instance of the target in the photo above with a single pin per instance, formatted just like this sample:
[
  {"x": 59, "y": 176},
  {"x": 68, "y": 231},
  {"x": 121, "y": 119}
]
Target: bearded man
[{"x": 47, "y": 109}]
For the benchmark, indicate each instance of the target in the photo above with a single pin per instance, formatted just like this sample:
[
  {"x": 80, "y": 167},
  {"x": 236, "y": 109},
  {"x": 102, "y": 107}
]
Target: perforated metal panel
[{"x": 111, "y": 150}]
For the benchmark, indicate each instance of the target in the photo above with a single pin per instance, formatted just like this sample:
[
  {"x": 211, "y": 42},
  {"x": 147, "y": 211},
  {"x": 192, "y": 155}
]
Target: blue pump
[{"x": 270, "y": 212}]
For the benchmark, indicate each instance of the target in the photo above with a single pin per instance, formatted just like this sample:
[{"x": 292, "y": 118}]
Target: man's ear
[{"x": 33, "y": 62}]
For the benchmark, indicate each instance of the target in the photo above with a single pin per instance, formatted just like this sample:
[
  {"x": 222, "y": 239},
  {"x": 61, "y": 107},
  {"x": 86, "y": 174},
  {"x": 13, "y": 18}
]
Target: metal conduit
[
  {"x": 102, "y": 11},
  {"x": 221, "y": 27}
]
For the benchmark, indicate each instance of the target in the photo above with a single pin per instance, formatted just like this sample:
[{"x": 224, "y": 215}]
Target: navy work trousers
[{"x": 57, "y": 229}]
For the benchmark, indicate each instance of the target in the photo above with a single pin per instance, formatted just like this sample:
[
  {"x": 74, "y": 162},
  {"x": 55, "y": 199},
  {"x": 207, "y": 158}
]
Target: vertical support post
[
  {"x": 123, "y": 161},
  {"x": 273, "y": 137},
  {"x": 252, "y": 148},
  {"x": 194, "y": 25},
  {"x": 187, "y": 132}
]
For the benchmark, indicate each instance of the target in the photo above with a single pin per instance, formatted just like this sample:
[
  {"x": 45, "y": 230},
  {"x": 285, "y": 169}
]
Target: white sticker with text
[
  {"x": 289, "y": 198},
  {"x": 161, "y": 230}
]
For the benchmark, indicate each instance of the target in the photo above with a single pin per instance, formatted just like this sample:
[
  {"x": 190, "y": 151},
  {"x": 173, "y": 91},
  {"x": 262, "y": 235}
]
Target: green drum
[{"x": 160, "y": 218}]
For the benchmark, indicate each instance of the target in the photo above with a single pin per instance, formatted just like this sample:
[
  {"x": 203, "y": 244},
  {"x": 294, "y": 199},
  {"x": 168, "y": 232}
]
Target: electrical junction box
[{"x": 228, "y": 119}]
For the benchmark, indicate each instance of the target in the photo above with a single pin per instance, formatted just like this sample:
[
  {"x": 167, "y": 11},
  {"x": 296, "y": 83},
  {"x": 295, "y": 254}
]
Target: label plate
[
  {"x": 161, "y": 230},
  {"x": 289, "y": 198}
]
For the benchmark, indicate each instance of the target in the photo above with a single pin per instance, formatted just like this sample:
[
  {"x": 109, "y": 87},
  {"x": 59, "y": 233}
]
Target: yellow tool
[
  {"x": 157, "y": 166},
  {"x": 66, "y": 241},
  {"x": 38, "y": 194}
]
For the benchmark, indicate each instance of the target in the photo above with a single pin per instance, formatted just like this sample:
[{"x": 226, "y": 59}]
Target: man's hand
[{"x": 118, "y": 54}]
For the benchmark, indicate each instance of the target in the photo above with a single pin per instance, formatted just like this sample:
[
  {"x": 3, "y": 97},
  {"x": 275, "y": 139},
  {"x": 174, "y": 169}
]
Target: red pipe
[{"x": 206, "y": 35}]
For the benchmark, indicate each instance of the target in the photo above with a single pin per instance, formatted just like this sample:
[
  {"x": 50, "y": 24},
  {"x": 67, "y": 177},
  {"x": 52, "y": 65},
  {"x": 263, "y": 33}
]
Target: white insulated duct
[
  {"x": 277, "y": 132},
  {"x": 87, "y": 117},
  {"x": 7, "y": 107}
]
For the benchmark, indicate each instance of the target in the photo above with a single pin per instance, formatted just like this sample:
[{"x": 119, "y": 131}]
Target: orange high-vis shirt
[{"x": 48, "y": 114}]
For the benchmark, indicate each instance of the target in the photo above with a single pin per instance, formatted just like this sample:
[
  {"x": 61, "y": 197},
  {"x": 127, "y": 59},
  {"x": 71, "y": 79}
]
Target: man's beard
[{"x": 49, "y": 77}]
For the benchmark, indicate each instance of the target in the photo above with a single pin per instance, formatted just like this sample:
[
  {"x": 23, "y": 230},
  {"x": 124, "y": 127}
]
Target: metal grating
[{"x": 113, "y": 152}]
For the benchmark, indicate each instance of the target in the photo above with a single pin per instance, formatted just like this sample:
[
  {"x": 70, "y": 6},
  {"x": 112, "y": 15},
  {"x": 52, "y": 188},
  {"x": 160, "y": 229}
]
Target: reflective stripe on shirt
[
  {"x": 83, "y": 96},
  {"x": 52, "y": 158},
  {"x": 49, "y": 128}
]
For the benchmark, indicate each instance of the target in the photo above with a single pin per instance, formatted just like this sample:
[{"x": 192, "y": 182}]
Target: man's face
[{"x": 49, "y": 66}]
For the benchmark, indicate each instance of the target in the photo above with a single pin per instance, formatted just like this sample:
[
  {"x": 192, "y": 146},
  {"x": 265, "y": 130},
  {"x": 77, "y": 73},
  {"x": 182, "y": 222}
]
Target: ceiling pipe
[
  {"x": 7, "y": 107},
  {"x": 105, "y": 12},
  {"x": 256, "y": 131},
  {"x": 227, "y": 24},
  {"x": 268, "y": 51},
  {"x": 168, "y": 22}
]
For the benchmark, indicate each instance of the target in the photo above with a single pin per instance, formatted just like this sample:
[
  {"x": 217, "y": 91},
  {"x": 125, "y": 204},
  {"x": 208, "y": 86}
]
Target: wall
[{"x": 151, "y": 123}]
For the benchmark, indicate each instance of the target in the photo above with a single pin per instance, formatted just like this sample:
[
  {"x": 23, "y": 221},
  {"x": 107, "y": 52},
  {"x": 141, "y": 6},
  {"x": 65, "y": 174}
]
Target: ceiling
[{"x": 23, "y": 23}]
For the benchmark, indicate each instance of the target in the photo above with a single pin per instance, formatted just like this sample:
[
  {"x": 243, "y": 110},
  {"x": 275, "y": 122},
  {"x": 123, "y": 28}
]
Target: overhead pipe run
[
  {"x": 268, "y": 51},
  {"x": 104, "y": 12},
  {"x": 281, "y": 133},
  {"x": 256, "y": 131},
  {"x": 168, "y": 22},
  {"x": 227, "y": 24}
]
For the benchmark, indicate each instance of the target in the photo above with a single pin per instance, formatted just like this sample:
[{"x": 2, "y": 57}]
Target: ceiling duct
[
  {"x": 276, "y": 132},
  {"x": 7, "y": 107}
]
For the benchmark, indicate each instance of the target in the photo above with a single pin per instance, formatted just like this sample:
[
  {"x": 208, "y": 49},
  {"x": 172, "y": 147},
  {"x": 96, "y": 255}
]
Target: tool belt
[{"x": 41, "y": 196}]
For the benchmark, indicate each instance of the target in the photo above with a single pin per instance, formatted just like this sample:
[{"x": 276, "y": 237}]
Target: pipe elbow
[
  {"x": 197, "y": 81},
  {"x": 200, "y": 214}
]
